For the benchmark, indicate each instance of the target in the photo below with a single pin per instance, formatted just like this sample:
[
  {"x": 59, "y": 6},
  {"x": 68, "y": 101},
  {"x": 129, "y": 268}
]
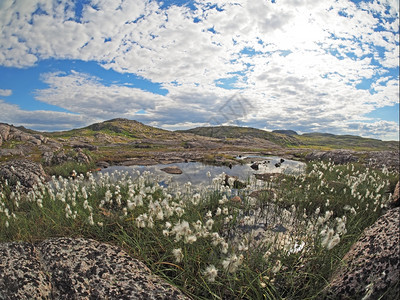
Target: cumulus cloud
[
  {"x": 299, "y": 64},
  {"x": 5, "y": 93},
  {"x": 86, "y": 95}
]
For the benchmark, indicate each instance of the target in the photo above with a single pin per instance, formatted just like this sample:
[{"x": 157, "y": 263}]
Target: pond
[
  {"x": 196, "y": 172},
  {"x": 258, "y": 223}
]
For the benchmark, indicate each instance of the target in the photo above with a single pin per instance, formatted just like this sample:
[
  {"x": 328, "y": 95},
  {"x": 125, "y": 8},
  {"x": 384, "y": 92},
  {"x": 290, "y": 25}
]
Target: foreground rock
[
  {"x": 26, "y": 172},
  {"x": 66, "y": 268},
  {"x": 395, "y": 201},
  {"x": 371, "y": 268}
]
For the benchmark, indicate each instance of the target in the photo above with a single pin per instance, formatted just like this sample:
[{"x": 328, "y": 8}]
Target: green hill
[
  {"x": 118, "y": 128},
  {"x": 235, "y": 132}
]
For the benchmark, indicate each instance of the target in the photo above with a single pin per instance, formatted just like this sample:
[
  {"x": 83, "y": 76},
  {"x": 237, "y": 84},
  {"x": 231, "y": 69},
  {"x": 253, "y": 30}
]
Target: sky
[{"x": 305, "y": 65}]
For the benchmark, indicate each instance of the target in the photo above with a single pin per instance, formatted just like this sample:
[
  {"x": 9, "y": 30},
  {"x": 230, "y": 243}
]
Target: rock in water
[
  {"x": 67, "y": 268},
  {"x": 371, "y": 268},
  {"x": 254, "y": 166},
  {"x": 172, "y": 170}
]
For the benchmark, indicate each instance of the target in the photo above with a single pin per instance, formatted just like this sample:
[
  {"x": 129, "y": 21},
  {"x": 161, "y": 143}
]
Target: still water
[{"x": 196, "y": 172}]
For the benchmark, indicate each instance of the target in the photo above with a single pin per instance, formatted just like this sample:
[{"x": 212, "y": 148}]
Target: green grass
[{"x": 150, "y": 221}]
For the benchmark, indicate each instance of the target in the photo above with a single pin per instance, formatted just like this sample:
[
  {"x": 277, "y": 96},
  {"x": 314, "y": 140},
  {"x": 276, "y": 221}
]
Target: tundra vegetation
[{"x": 200, "y": 240}]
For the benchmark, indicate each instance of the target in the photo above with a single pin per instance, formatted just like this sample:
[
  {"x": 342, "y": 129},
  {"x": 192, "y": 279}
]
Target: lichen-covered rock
[
  {"x": 27, "y": 172},
  {"x": 11, "y": 152},
  {"x": 371, "y": 268},
  {"x": 81, "y": 157},
  {"x": 78, "y": 269},
  {"x": 21, "y": 275},
  {"x": 337, "y": 156},
  {"x": 395, "y": 201},
  {"x": 389, "y": 159},
  {"x": 51, "y": 158},
  {"x": 376, "y": 159}
]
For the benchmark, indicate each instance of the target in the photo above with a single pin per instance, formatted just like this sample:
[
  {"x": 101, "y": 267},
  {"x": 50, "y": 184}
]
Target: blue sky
[{"x": 326, "y": 66}]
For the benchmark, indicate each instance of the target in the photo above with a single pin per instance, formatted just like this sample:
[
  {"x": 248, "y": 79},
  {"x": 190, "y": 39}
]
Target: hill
[
  {"x": 118, "y": 128},
  {"x": 235, "y": 132},
  {"x": 287, "y": 132}
]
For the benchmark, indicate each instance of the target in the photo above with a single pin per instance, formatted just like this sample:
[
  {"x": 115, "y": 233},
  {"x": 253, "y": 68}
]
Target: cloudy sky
[{"x": 307, "y": 65}]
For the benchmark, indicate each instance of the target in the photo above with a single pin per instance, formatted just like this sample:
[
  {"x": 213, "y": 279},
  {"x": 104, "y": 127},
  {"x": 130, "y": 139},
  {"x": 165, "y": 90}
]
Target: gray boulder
[
  {"x": 395, "y": 201},
  {"x": 51, "y": 158},
  {"x": 370, "y": 270},
  {"x": 67, "y": 268},
  {"x": 27, "y": 172}
]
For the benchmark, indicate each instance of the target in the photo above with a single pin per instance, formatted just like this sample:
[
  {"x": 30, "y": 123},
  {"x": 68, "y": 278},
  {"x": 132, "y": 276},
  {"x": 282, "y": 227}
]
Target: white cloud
[
  {"x": 307, "y": 58},
  {"x": 86, "y": 95},
  {"x": 5, "y": 93},
  {"x": 41, "y": 119}
]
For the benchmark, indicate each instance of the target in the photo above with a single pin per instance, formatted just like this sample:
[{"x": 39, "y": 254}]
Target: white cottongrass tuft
[
  {"x": 210, "y": 273},
  {"x": 178, "y": 254}
]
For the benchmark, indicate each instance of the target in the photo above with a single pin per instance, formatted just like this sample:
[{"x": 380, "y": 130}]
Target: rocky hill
[{"x": 234, "y": 133}]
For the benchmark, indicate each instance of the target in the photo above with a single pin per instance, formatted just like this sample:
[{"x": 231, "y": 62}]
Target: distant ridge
[{"x": 287, "y": 132}]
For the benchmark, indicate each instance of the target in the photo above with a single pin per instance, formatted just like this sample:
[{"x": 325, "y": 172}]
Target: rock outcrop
[
  {"x": 51, "y": 158},
  {"x": 67, "y": 268},
  {"x": 27, "y": 172},
  {"x": 8, "y": 132},
  {"x": 370, "y": 269},
  {"x": 337, "y": 156},
  {"x": 389, "y": 159}
]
